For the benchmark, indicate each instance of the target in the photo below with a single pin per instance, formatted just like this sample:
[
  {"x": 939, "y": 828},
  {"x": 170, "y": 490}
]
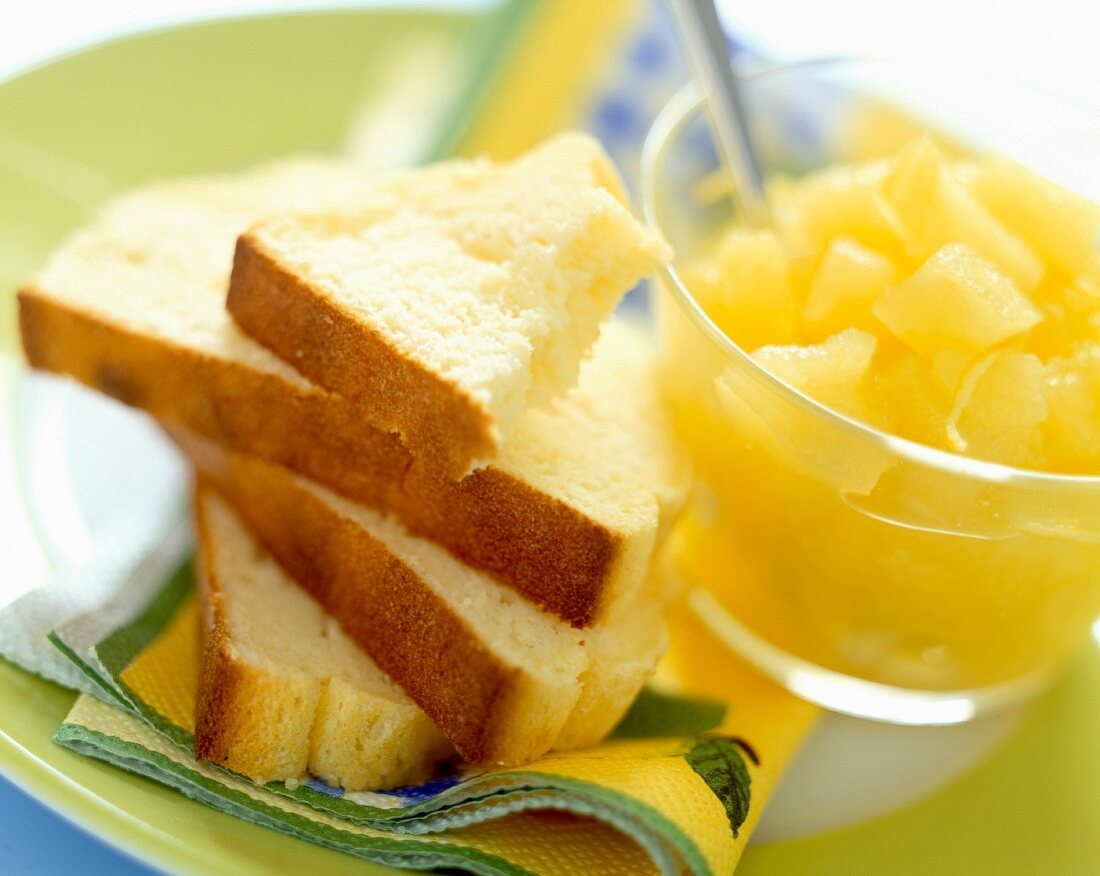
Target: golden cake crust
[
  {"x": 552, "y": 553},
  {"x": 384, "y": 606},
  {"x": 436, "y": 419}
]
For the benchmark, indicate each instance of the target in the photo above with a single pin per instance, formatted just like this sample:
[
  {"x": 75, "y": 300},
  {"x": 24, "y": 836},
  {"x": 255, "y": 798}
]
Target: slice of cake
[
  {"x": 466, "y": 297},
  {"x": 612, "y": 475},
  {"x": 283, "y": 691},
  {"x": 504, "y": 680},
  {"x": 622, "y": 654},
  {"x": 134, "y": 306},
  {"x": 498, "y": 676}
]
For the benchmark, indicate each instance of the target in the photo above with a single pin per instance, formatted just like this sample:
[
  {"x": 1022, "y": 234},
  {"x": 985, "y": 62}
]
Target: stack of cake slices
[{"x": 432, "y": 472}]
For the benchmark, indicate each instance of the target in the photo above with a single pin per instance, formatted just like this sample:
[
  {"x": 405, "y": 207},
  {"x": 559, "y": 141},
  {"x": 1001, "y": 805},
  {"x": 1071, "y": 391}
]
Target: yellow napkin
[{"x": 664, "y": 795}]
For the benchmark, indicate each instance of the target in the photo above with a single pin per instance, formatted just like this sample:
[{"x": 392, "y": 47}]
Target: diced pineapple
[
  {"x": 1088, "y": 281},
  {"x": 803, "y": 269},
  {"x": 1073, "y": 427},
  {"x": 873, "y": 127},
  {"x": 948, "y": 367},
  {"x": 744, "y": 285},
  {"x": 1086, "y": 361},
  {"x": 1054, "y": 335},
  {"x": 935, "y": 209},
  {"x": 834, "y": 373},
  {"x": 913, "y": 404},
  {"x": 716, "y": 186},
  {"x": 849, "y": 280},
  {"x": 957, "y": 300},
  {"x": 1000, "y": 409},
  {"x": 1056, "y": 223},
  {"x": 1069, "y": 317},
  {"x": 840, "y": 201},
  {"x": 964, "y": 170},
  {"x": 951, "y": 354}
]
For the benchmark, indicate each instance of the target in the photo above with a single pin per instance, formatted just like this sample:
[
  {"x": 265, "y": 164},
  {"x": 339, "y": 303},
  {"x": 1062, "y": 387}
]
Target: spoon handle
[{"x": 705, "y": 44}]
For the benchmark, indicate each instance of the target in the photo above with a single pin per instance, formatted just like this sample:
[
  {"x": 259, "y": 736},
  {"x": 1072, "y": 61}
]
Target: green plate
[
  {"x": 207, "y": 97},
  {"x": 226, "y": 94},
  {"x": 201, "y": 98}
]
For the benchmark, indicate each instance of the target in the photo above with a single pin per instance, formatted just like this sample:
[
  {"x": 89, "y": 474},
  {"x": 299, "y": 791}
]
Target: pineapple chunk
[
  {"x": 841, "y": 201},
  {"x": 935, "y": 209},
  {"x": 956, "y": 300},
  {"x": 1073, "y": 428},
  {"x": 873, "y": 127},
  {"x": 849, "y": 280},
  {"x": 914, "y": 405},
  {"x": 1088, "y": 281},
  {"x": 1000, "y": 409},
  {"x": 931, "y": 291},
  {"x": 1070, "y": 316},
  {"x": 949, "y": 366},
  {"x": 1056, "y": 223},
  {"x": 1086, "y": 361},
  {"x": 745, "y": 287},
  {"x": 834, "y": 373},
  {"x": 803, "y": 269}
]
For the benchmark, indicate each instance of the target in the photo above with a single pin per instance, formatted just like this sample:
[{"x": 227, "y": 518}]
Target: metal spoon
[{"x": 704, "y": 42}]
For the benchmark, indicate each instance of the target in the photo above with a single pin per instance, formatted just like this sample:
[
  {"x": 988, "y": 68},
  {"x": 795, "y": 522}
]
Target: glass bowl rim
[{"x": 670, "y": 122}]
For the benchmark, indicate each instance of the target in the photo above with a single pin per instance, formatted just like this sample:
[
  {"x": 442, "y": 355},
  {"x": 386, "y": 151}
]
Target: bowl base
[{"x": 859, "y": 697}]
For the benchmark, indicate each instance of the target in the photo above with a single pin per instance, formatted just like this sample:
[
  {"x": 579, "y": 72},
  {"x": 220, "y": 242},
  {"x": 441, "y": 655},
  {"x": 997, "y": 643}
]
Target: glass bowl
[{"x": 865, "y": 572}]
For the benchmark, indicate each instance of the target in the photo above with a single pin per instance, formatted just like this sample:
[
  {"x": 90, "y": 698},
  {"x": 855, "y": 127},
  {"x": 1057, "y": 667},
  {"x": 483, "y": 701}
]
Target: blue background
[{"x": 35, "y": 840}]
